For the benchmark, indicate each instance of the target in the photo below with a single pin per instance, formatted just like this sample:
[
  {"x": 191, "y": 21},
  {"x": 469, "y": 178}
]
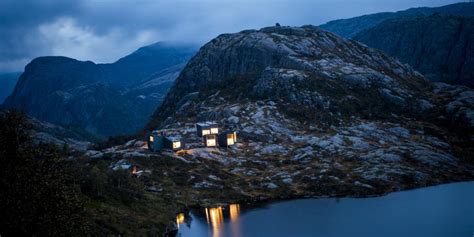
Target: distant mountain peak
[{"x": 103, "y": 99}]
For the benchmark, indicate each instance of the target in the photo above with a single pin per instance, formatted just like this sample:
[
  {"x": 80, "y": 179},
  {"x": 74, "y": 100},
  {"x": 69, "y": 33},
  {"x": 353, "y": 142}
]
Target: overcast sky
[{"x": 105, "y": 30}]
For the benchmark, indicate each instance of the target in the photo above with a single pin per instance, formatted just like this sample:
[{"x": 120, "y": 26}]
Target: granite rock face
[
  {"x": 350, "y": 27},
  {"x": 317, "y": 114},
  {"x": 435, "y": 41},
  {"x": 300, "y": 66},
  {"x": 440, "y": 47},
  {"x": 102, "y": 99}
]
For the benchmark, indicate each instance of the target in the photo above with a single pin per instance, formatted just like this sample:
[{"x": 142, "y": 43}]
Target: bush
[{"x": 39, "y": 195}]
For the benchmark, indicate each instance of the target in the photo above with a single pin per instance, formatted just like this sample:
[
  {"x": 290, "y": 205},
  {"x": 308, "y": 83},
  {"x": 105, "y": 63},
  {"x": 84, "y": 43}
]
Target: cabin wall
[{"x": 157, "y": 144}]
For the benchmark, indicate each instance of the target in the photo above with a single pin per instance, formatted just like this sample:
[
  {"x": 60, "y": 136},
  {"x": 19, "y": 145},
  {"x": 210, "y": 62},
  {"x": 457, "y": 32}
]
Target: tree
[{"x": 39, "y": 195}]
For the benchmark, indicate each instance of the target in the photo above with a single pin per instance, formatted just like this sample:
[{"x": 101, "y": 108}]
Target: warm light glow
[
  {"x": 207, "y": 215},
  {"x": 180, "y": 219},
  {"x": 206, "y": 132},
  {"x": 231, "y": 138},
  {"x": 152, "y": 138},
  {"x": 134, "y": 170},
  {"x": 217, "y": 218},
  {"x": 234, "y": 211},
  {"x": 211, "y": 142},
  {"x": 176, "y": 145},
  {"x": 214, "y": 130}
]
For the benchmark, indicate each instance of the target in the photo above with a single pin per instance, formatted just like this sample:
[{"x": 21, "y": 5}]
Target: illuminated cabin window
[
  {"x": 206, "y": 132},
  {"x": 151, "y": 139},
  {"x": 211, "y": 142},
  {"x": 176, "y": 145},
  {"x": 230, "y": 139},
  {"x": 214, "y": 130}
]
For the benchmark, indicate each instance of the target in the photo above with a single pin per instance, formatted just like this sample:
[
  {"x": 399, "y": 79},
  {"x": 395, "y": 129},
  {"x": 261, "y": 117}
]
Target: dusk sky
[{"x": 103, "y": 31}]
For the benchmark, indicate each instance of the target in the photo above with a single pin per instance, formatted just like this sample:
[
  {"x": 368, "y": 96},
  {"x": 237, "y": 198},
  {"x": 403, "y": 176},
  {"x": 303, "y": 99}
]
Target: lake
[{"x": 443, "y": 210}]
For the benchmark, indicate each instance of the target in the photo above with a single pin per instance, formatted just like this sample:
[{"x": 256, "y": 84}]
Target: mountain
[
  {"x": 7, "y": 83},
  {"x": 440, "y": 47},
  {"x": 102, "y": 99},
  {"x": 348, "y": 28},
  {"x": 316, "y": 115}
]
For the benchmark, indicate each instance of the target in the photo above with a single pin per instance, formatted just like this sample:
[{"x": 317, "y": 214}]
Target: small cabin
[
  {"x": 173, "y": 143},
  {"x": 158, "y": 141},
  {"x": 207, "y": 128},
  {"x": 210, "y": 140},
  {"x": 227, "y": 138}
]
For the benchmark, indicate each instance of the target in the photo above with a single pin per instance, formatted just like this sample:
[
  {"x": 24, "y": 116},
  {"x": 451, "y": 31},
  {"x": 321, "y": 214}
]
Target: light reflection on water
[
  {"x": 180, "y": 219},
  {"x": 215, "y": 219},
  {"x": 438, "y": 211}
]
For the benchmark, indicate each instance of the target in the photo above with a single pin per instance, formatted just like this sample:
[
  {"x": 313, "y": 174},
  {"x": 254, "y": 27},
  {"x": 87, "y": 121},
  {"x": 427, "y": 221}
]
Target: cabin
[
  {"x": 173, "y": 143},
  {"x": 210, "y": 140},
  {"x": 159, "y": 141},
  {"x": 207, "y": 128},
  {"x": 227, "y": 138},
  {"x": 156, "y": 141}
]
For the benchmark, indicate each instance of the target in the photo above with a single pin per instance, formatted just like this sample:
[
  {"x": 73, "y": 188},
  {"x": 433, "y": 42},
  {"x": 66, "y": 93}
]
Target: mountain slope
[
  {"x": 440, "y": 47},
  {"x": 348, "y": 28},
  {"x": 7, "y": 83},
  {"x": 102, "y": 99},
  {"x": 290, "y": 64},
  {"x": 316, "y": 115}
]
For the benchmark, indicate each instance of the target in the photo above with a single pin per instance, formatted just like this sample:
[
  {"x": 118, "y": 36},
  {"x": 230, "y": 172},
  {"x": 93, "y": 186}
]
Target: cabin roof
[
  {"x": 208, "y": 123},
  {"x": 174, "y": 138}
]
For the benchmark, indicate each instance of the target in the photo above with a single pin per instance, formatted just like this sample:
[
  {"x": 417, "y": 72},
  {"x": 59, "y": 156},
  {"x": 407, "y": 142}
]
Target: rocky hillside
[
  {"x": 316, "y": 115},
  {"x": 102, "y": 99},
  {"x": 7, "y": 83},
  {"x": 348, "y": 28},
  {"x": 440, "y": 47}
]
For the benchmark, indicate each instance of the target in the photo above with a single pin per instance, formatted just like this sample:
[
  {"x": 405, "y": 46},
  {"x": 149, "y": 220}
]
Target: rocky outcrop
[
  {"x": 102, "y": 99},
  {"x": 316, "y": 115},
  {"x": 348, "y": 28},
  {"x": 440, "y": 47},
  {"x": 303, "y": 66},
  {"x": 435, "y": 41}
]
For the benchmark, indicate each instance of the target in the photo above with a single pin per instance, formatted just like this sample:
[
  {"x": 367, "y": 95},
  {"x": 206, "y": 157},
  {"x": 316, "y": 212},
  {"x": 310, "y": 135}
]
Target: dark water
[{"x": 444, "y": 210}]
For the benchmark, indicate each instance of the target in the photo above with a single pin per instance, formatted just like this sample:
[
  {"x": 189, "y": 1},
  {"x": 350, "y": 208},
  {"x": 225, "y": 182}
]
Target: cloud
[
  {"x": 65, "y": 35},
  {"x": 105, "y": 30}
]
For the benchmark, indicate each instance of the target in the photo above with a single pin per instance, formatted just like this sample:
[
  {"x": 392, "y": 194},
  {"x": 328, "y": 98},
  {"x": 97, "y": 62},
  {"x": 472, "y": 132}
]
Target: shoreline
[{"x": 255, "y": 203}]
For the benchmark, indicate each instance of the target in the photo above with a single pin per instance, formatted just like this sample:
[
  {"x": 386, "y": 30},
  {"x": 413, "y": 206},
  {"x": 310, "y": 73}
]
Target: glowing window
[
  {"x": 206, "y": 132},
  {"x": 211, "y": 142},
  {"x": 230, "y": 141},
  {"x": 176, "y": 145},
  {"x": 152, "y": 138},
  {"x": 214, "y": 130}
]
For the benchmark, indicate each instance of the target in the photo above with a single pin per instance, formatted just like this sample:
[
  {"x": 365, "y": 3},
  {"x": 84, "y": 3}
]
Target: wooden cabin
[
  {"x": 227, "y": 138},
  {"x": 207, "y": 128},
  {"x": 210, "y": 140},
  {"x": 158, "y": 141}
]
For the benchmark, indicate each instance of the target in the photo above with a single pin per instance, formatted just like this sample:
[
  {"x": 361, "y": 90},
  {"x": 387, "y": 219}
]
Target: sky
[{"x": 105, "y": 30}]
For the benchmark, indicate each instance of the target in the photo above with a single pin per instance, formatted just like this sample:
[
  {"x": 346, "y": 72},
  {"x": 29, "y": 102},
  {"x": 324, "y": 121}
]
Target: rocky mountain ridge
[
  {"x": 440, "y": 47},
  {"x": 316, "y": 115},
  {"x": 102, "y": 99},
  {"x": 350, "y": 27}
]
